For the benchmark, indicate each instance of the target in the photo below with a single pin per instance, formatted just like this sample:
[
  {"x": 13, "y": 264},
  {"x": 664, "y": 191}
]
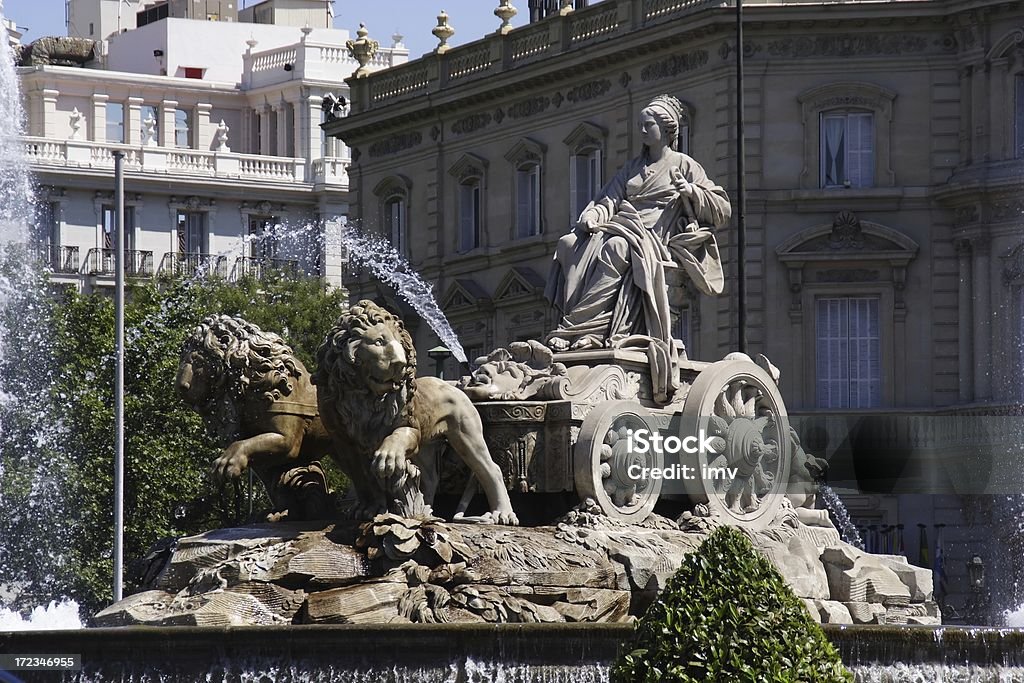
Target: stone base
[{"x": 395, "y": 570}]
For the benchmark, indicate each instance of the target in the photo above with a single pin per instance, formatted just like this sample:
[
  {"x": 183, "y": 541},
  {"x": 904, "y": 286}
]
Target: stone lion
[
  {"x": 256, "y": 396},
  {"x": 388, "y": 425}
]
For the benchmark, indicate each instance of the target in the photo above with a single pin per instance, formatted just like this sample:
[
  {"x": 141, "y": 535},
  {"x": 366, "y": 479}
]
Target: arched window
[
  {"x": 470, "y": 213},
  {"x": 393, "y": 197},
  {"x": 470, "y": 173},
  {"x": 847, "y": 136},
  {"x": 528, "y": 200},
  {"x": 527, "y": 158}
]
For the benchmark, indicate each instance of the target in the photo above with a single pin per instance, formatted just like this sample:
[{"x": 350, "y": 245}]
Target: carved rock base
[{"x": 393, "y": 570}]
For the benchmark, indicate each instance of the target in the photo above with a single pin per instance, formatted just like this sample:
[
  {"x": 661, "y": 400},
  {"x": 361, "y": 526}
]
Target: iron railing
[{"x": 137, "y": 263}]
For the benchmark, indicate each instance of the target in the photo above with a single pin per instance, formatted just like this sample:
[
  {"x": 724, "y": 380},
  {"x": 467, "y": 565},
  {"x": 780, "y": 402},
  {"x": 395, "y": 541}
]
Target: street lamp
[
  {"x": 440, "y": 354},
  {"x": 977, "y": 605},
  {"x": 976, "y": 573}
]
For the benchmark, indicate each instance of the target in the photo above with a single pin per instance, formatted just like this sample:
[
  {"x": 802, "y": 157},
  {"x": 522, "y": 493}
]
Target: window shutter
[
  {"x": 575, "y": 170},
  {"x": 860, "y": 149},
  {"x": 596, "y": 182},
  {"x": 535, "y": 200},
  {"x": 523, "y": 182},
  {"x": 848, "y": 353}
]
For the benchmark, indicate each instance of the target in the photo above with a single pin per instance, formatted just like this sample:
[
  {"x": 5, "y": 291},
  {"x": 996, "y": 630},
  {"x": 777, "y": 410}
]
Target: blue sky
[{"x": 472, "y": 19}]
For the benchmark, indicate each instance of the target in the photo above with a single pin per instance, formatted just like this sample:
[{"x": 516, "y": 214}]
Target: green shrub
[{"x": 728, "y": 615}]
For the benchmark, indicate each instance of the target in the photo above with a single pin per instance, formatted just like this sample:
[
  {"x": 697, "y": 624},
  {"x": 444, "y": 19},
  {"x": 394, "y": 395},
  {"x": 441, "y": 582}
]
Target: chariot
[{"x": 581, "y": 437}]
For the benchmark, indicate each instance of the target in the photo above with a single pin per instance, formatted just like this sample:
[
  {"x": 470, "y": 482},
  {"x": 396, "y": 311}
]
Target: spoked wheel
[
  {"x": 738, "y": 405},
  {"x": 602, "y": 461}
]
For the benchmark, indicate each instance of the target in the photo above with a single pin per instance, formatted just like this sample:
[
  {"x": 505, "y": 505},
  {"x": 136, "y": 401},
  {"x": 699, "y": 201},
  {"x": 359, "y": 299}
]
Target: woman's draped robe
[{"x": 609, "y": 289}]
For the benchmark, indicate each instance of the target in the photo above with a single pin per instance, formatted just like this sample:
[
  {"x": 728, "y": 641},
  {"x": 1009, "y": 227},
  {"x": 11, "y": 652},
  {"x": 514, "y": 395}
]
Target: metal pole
[
  {"x": 741, "y": 191},
  {"x": 119, "y": 244}
]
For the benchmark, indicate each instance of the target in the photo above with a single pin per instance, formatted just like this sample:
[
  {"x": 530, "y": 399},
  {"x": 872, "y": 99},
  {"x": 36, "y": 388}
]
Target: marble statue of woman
[{"x": 611, "y": 273}]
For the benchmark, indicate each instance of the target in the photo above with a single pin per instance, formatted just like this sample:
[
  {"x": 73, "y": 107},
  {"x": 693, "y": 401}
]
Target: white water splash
[{"x": 54, "y": 617}]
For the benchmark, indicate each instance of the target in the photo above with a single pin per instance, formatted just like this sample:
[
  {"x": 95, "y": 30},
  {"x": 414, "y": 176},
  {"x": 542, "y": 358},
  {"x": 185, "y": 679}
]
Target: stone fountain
[{"x": 656, "y": 448}]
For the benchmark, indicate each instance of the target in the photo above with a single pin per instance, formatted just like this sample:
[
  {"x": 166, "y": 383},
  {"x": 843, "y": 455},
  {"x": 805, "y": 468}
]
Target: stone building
[
  {"x": 219, "y": 123},
  {"x": 885, "y": 244}
]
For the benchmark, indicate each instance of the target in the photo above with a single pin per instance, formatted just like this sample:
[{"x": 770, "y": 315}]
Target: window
[
  {"x": 469, "y": 214},
  {"x": 847, "y": 142},
  {"x": 528, "y": 200},
  {"x": 848, "y": 352},
  {"x": 681, "y": 327},
  {"x": 145, "y": 112},
  {"x": 115, "y": 122},
  {"x": 394, "y": 222},
  {"x": 46, "y": 231},
  {"x": 1019, "y": 117},
  {"x": 191, "y": 229},
  {"x": 584, "y": 180},
  {"x": 193, "y": 72},
  {"x": 262, "y": 237},
  {"x": 182, "y": 129},
  {"x": 109, "y": 219}
]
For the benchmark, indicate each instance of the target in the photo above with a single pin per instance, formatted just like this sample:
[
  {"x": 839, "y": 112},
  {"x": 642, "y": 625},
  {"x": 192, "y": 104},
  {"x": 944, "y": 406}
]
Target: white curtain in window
[{"x": 835, "y": 130}]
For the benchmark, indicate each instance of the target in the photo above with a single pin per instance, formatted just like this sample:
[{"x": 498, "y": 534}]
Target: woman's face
[{"x": 650, "y": 130}]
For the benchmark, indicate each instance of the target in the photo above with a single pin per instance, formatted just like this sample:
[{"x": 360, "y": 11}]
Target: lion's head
[
  {"x": 366, "y": 369},
  {"x": 227, "y": 362}
]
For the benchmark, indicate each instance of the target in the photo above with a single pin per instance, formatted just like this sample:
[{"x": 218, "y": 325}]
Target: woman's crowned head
[{"x": 667, "y": 110}]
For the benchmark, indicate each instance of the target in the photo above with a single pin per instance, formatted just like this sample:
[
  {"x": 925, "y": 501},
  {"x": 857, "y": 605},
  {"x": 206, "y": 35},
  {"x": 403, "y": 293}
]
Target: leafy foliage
[
  {"x": 58, "y": 430},
  {"x": 728, "y": 615}
]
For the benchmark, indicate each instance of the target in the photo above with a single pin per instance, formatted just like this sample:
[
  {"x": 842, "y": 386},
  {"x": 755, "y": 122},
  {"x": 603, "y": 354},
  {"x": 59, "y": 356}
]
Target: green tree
[
  {"x": 167, "y": 450},
  {"x": 728, "y": 615}
]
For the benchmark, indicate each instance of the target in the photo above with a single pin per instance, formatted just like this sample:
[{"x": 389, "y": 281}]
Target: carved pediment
[
  {"x": 394, "y": 184},
  {"x": 848, "y": 238},
  {"x": 468, "y": 166},
  {"x": 526, "y": 150},
  {"x": 586, "y": 136},
  {"x": 520, "y": 281},
  {"x": 464, "y": 293}
]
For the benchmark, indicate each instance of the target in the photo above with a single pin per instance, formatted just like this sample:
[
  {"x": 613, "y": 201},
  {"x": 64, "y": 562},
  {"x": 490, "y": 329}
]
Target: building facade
[
  {"x": 885, "y": 239},
  {"x": 219, "y": 123}
]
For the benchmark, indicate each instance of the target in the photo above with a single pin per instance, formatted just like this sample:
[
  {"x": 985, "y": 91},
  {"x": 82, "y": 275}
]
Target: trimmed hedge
[{"x": 728, "y": 615}]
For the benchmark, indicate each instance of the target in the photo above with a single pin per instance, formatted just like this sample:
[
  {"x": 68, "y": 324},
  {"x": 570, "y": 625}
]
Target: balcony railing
[
  {"x": 136, "y": 263},
  {"x": 611, "y": 20},
  {"x": 189, "y": 265},
  {"x": 263, "y": 267},
  {"x": 59, "y": 259},
  {"x": 172, "y": 161}
]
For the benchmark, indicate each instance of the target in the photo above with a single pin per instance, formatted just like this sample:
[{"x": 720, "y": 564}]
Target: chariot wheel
[
  {"x": 602, "y": 460},
  {"x": 739, "y": 409}
]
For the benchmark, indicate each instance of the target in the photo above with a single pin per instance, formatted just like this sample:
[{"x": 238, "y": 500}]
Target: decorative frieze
[
  {"x": 529, "y": 107},
  {"x": 589, "y": 91},
  {"x": 395, "y": 144},
  {"x": 674, "y": 65},
  {"x": 1008, "y": 210},
  {"x": 471, "y": 123},
  {"x": 848, "y": 275},
  {"x": 848, "y": 45}
]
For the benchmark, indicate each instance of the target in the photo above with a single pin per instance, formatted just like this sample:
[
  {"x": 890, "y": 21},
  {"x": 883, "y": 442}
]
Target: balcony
[
  {"x": 136, "y": 263},
  {"x": 190, "y": 265},
  {"x": 59, "y": 259},
  {"x": 150, "y": 160},
  {"x": 260, "y": 268}
]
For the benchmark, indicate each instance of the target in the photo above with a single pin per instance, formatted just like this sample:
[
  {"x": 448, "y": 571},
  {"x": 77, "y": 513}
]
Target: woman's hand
[
  {"x": 682, "y": 185},
  {"x": 587, "y": 223}
]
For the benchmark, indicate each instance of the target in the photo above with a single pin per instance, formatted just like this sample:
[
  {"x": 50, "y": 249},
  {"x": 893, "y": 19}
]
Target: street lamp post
[{"x": 119, "y": 244}]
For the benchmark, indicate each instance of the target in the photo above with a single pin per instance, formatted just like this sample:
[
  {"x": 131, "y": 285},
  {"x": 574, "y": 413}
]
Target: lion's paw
[{"x": 506, "y": 517}]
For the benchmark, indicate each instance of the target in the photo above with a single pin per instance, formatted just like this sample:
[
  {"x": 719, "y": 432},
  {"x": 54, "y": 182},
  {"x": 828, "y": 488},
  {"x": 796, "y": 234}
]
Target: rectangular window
[
  {"x": 46, "y": 230},
  {"x": 684, "y": 137},
  {"x": 262, "y": 241},
  {"x": 1018, "y": 112},
  {"x": 847, "y": 144},
  {"x": 146, "y": 112},
  {"x": 469, "y": 216},
  {"x": 528, "y": 201},
  {"x": 110, "y": 227},
  {"x": 191, "y": 228},
  {"x": 182, "y": 129},
  {"x": 193, "y": 72},
  {"x": 115, "y": 122},
  {"x": 394, "y": 218},
  {"x": 681, "y": 327},
  {"x": 584, "y": 181},
  {"x": 848, "y": 353}
]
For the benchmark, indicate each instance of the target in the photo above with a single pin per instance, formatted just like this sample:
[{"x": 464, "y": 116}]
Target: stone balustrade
[
  {"x": 608, "y": 20},
  {"x": 44, "y": 153},
  {"x": 308, "y": 59}
]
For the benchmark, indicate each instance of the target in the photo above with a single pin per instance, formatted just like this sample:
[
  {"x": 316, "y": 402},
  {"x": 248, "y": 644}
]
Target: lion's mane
[
  {"x": 244, "y": 365},
  {"x": 347, "y": 404}
]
